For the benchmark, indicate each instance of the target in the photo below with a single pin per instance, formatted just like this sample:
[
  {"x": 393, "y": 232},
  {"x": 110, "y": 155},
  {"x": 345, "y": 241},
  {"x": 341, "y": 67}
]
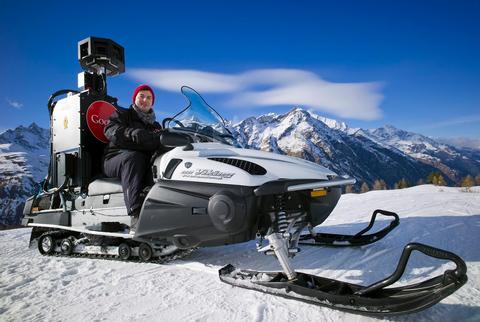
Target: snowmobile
[{"x": 208, "y": 191}]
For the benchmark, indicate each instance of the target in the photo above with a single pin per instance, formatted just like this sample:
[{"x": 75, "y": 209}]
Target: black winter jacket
[{"x": 126, "y": 131}]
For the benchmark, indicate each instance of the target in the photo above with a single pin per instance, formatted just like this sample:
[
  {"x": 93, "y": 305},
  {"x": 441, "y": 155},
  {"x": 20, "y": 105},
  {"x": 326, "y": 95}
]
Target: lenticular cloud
[{"x": 274, "y": 87}]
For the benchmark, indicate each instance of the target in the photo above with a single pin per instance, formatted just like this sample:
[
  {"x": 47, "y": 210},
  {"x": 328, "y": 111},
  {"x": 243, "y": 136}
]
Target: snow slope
[{"x": 38, "y": 288}]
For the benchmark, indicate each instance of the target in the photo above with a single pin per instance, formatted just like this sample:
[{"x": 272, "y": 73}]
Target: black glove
[
  {"x": 169, "y": 139},
  {"x": 139, "y": 136}
]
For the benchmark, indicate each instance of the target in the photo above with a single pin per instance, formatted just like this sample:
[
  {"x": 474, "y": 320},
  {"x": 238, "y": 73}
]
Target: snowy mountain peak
[
  {"x": 331, "y": 123},
  {"x": 394, "y": 136},
  {"x": 307, "y": 114},
  {"x": 296, "y": 115},
  {"x": 24, "y": 138},
  {"x": 454, "y": 163},
  {"x": 390, "y": 132},
  {"x": 24, "y": 158}
]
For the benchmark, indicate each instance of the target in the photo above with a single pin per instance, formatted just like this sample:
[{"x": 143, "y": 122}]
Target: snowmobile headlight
[{"x": 318, "y": 193}]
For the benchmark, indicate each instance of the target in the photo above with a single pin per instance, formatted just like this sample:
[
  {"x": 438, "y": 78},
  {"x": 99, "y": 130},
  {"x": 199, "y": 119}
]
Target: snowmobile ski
[
  {"x": 359, "y": 239},
  {"x": 373, "y": 300}
]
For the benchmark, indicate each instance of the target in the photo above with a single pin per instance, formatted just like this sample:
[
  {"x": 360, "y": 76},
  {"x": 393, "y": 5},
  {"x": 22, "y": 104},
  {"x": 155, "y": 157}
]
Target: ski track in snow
[{"x": 40, "y": 288}]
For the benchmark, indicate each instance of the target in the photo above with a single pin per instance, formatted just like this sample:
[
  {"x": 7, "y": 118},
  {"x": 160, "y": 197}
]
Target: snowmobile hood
[{"x": 224, "y": 164}]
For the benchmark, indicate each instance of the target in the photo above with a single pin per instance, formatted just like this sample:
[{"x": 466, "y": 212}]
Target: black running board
[
  {"x": 373, "y": 300},
  {"x": 359, "y": 239}
]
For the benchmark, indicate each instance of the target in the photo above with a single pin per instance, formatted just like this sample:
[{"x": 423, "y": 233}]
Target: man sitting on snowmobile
[{"x": 134, "y": 135}]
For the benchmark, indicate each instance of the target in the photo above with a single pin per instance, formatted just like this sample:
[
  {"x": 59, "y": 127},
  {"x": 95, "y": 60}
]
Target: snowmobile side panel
[
  {"x": 198, "y": 214},
  {"x": 215, "y": 162},
  {"x": 100, "y": 202},
  {"x": 320, "y": 208},
  {"x": 83, "y": 230},
  {"x": 52, "y": 217}
]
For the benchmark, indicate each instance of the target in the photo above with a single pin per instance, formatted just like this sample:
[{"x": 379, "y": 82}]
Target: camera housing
[{"x": 101, "y": 56}]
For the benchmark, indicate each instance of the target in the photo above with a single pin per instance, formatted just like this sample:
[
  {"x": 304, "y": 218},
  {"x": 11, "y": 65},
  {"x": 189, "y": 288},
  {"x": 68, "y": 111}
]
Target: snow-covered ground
[{"x": 39, "y": 288}]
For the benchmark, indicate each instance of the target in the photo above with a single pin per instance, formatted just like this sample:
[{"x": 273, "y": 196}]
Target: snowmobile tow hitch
[{"x": 374, "y": 300}]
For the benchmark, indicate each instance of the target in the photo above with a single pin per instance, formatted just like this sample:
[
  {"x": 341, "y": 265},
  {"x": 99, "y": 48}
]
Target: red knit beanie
[{"x": 143, "y": 87}]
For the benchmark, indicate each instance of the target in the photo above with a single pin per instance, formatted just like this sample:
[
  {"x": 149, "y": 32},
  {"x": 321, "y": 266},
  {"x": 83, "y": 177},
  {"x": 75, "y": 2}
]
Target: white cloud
[
  {"x": 173, "y": 80},
  {"x": 274, "y": 87},
  {"x": 14, "y": 104}
]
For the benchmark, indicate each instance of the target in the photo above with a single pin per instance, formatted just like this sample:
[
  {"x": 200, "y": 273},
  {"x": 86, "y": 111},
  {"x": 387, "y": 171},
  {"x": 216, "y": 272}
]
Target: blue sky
[{"x": 411, "y": 64}]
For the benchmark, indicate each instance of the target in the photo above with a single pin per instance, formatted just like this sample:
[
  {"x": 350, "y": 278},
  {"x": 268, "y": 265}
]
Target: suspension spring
[{"x": 282, "y": 223}]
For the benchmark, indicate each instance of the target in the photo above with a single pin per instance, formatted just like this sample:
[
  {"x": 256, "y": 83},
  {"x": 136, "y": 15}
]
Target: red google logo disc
[{"x": 98, "y": 114}]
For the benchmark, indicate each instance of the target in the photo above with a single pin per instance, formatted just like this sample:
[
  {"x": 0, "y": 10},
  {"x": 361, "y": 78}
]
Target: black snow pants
[{"x": 133, "y": 169}]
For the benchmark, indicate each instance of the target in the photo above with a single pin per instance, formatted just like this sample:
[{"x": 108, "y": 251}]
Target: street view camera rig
[
  {"x": 99, "y": 58},
  {"x": 77, "y": 120}
]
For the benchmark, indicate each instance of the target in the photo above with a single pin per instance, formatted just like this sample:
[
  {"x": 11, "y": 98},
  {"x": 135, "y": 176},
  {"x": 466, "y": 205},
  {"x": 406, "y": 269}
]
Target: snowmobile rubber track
[
  {"x": 162, "y": 260},
  {"x": 373, "y": 300},
  {"x": 359, "y": 239},
  {"x": 181, "y": 253}
]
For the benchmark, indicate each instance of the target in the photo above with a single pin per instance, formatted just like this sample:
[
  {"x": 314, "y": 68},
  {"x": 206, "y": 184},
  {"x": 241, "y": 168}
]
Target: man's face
[{"x": 144, "y": 100}]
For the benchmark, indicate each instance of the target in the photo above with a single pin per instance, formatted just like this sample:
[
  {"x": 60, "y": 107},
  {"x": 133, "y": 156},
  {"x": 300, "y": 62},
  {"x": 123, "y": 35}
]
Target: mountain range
[
  {"x": 385, "y": 153},
  {"x": 24, "y": 159}
]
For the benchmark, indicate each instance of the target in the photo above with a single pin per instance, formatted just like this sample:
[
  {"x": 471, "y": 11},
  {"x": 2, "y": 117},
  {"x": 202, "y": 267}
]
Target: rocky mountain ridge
[
  {"x": 24, "y": 158},
  {"x": 384, "y": 153}
]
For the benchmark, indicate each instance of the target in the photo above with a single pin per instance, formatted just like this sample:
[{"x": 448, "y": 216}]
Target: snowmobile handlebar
[
  {"x": 459, "y": 272},
  {"x": 170, "y": 139}
]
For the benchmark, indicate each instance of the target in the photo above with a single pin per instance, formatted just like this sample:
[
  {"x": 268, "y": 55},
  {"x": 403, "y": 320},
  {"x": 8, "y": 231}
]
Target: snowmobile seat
[{"x": 105, "y": 186}]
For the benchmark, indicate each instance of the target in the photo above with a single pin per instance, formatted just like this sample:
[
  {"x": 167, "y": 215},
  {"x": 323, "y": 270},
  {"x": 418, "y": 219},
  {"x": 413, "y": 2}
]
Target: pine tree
[
  {"x": 436, "y": 178},
  {"x": 383, "y": 184},
  {"x": 349, "y": 189},
  {"x": 432, "y": 177},
  {"x": 477, "y": 180},
  {"x": 377, "y": 185},
  {"x": 420, "y": 182},
  {"x": 467, "y": 182},
  {"x": 364, "y": 188},
  {"x": 403, "y": 183},
  {"x": 441, "y": 181}
]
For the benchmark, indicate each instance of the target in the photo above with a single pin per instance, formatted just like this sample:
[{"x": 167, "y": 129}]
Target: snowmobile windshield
[{"x": 201, "y": 119}]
